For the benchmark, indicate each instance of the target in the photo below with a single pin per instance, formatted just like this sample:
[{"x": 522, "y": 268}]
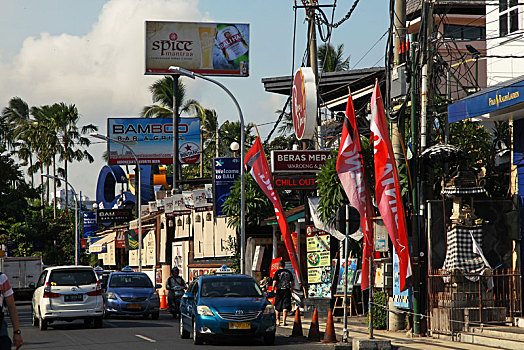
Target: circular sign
[
  {"x": 189, "y": 153},
  {"x": 304, "y": 103}
]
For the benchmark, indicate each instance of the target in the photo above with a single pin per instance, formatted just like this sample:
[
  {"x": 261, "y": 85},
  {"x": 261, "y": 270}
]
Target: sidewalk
[{"x": 357, "y": 328}]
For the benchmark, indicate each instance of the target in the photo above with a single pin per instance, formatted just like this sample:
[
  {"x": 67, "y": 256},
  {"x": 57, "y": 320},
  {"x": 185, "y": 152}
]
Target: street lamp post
[
  {"x": 138, "y": 189},
  {"x": 76, "y": 213},
  {"x": 192, "y": 75}
]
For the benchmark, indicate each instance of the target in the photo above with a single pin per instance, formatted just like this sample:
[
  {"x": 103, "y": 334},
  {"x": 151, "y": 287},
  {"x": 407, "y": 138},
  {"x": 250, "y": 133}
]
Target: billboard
[
  {"x": 90, "y": 224},
  {"x": 152, "y": 140},
  {"x": 226, "y": 172},
  {"x": 201, "y": 47}
]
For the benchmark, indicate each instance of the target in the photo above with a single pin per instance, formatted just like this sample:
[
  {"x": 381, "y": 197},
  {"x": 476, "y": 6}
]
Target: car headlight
[
  {"x": 154, "y": 295},
  {"x": 111, "y": 295},
  {"x": 270, "y": 309},
  {"x": 204, "y": 310}
]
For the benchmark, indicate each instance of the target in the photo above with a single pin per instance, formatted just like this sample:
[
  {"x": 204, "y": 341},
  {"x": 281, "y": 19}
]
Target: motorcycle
[{"x": 174, "y": 306}]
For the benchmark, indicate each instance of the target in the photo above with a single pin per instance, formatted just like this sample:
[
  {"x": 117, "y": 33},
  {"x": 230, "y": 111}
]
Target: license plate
[
  {"x": 239, "y": 325},
  {"x": 134, "y": 306},
  {"x": 73, "y": 297}
]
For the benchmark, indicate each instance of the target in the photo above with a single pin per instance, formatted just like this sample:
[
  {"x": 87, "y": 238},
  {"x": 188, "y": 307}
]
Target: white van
[{"x": 67, "y": 293}]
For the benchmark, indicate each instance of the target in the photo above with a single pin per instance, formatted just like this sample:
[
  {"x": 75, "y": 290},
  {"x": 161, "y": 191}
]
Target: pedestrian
[
  {"x": 283, "y": 282},
  {"x": 6, "y": 294},
  {"x": 175, "y": 285}
]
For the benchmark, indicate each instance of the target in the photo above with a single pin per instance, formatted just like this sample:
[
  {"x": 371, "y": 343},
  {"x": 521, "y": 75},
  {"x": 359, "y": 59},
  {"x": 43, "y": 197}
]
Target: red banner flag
[
  {"x": 387, "y": 189},
  {"x": 350, "y": 170},
  {"x": 256, "y": 159}
]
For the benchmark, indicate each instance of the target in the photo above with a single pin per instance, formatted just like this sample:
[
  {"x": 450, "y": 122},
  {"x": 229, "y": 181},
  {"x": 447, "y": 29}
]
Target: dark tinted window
[
  {"x": 130, "y": 280},
  {"x": 458, "y": 32},
  {"x": 72, "y": 277},
  {"x": 230, "y": 287}
]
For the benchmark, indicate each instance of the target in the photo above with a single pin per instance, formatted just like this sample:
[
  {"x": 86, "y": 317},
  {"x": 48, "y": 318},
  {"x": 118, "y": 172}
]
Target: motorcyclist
[{"x": 175, "y": 285}]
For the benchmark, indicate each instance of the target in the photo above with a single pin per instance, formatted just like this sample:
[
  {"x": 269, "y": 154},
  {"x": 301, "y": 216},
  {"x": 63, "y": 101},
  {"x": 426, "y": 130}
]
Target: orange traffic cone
[
  {"x": 163, "y": 301},
  {"x": 314, "y": 332},
  {"x": 297, "y": 325},
  {"x": 329, "y": 335}
]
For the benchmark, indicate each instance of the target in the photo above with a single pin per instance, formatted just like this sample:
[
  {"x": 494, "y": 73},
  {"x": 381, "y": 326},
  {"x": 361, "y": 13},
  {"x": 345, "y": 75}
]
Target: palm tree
[
  {"x": 331, "y": 60},
  {"x": 162, "y": 94},
  {"x": 71, "y": 136},
  {"x": 15, "y": 116}
]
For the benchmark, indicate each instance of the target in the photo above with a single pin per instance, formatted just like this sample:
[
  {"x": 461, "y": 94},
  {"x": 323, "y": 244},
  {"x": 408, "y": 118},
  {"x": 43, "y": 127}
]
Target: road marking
[{"x": 146, "y": 338}]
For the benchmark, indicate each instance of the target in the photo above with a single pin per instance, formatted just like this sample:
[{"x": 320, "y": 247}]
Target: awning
[
  {"x": 504, "y": 101},
  {"x": 98, "y": 246}
]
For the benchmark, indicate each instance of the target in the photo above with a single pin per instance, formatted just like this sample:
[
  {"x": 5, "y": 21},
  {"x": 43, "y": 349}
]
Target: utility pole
[
  {"x": 426, "y": 55},
  {"x": 175, "y": 134},
  {"x": 313, "y": 58},
  {"x": 399, "y": 44}
]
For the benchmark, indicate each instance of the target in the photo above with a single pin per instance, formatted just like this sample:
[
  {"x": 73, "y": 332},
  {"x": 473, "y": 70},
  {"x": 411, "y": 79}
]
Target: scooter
[{"x": 174, "y": 308}]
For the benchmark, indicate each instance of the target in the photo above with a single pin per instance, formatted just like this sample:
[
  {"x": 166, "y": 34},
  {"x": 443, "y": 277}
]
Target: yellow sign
[
  {"x": 318, "y": 243},
  {"x": 318, "y": 275}
]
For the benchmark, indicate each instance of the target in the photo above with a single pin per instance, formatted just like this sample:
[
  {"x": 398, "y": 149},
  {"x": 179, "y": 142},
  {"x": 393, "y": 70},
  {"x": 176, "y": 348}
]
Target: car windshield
[
  {"x": 230, "y": 287},
  {"x": 130, "y": 281},
  {"x": 72, "y": 277}
]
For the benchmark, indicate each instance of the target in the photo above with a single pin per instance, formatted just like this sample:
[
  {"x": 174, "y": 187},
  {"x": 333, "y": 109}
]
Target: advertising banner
[
  {"x": 351, "y": 275},
  {"x": 152, "y": 140},
  {"x": 226, "y": 172},
  {"x": 294, "y": 161},
  {"x": 205, "y": 48},
  {"x": 318, "y": 263},
  {"x": 90, "y": 224},
  {"x": 200, "y": 201},
  {"x": 404, "y": 299}
]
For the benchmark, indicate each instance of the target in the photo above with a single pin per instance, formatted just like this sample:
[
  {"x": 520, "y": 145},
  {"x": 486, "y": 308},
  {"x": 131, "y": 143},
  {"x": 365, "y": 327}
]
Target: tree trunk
[
  {"x": 42, "y": 190},
  {"x": 32, "y": 175},
  {"x": 47, "y": 187},
  {"x": 54, "y": 186}
]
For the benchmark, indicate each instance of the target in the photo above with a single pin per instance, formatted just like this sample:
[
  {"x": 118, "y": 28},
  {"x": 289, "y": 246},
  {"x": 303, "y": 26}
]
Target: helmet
[{"x": 174, "y": 270}]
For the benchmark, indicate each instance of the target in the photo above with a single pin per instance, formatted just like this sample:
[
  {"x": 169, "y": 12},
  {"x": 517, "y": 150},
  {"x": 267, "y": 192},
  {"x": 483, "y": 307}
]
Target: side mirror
[
  {"x": 158, "y": 286},
  {"x": 270, "y": 294},
  {"x": 32, "y": 285},
  {"x": 188, "y": 295}
]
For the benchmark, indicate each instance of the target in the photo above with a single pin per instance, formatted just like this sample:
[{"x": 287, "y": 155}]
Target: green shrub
[{"x": 380, "y": 313}]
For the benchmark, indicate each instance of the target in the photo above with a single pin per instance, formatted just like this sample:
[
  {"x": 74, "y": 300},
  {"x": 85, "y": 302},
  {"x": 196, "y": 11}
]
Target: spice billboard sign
[{"x": 201, "y": 47}]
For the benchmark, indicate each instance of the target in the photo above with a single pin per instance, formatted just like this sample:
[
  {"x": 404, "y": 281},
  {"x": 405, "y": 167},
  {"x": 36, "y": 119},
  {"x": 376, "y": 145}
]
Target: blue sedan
[
  {"x": 131, "y": 293},
  {"x": 228, "y": 306}
]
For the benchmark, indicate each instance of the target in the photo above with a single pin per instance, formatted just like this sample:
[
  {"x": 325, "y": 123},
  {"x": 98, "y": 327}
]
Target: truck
[{"x": 23, "y": 273}]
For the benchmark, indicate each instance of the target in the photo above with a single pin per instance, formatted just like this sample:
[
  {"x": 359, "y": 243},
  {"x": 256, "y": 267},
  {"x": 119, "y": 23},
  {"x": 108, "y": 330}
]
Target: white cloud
[{"x": 101, "y": 72}]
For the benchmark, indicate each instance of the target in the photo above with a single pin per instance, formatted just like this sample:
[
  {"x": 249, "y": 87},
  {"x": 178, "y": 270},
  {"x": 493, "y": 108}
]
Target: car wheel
[
  {"x": 269, "y": 338},
  {"x": 42, "y": 324},
  {"x": 145, "y": 316},
  {"x": 155, "y": 315},
  {"x": 34, "y": 318},
  {"x": 99, "y": 322},
  {"x": 183, "y": 333},
  {"x": 87, "y": 322},
  {"x": 197, "y": 338},
  {"x": 107, "y": 315}
]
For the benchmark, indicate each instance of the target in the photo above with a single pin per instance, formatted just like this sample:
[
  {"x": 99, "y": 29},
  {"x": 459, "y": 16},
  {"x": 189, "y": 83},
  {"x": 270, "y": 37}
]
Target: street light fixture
[
  {"x": 193, "y": 75},
  {"x": 76, "y": 212},
  {"x": 138, "y": 189}
]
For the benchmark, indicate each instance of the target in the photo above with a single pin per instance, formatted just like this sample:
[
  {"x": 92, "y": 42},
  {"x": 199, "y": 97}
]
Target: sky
[{"x": 91, "y": 53}]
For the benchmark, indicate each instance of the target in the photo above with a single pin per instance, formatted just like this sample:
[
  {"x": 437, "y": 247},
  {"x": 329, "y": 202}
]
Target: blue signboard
[
  {"x": 403, "y": 300},
  {"x": 488, "y": 100},
  {"x": 90, "y": 224},
  {"x": 226, "y": 171},
  {"x": 151, "y": 139}
]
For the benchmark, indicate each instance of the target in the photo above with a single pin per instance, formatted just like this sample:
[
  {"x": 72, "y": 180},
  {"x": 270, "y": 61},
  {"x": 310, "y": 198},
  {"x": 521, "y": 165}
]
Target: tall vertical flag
[
  {"x": 387, "y": 189},
  {"x": 350, "y": 170},
  {"x": 256, "y": 159}
]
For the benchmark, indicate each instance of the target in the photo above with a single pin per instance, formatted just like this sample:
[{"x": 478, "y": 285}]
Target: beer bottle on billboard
[{"x": 233, "y": 45}]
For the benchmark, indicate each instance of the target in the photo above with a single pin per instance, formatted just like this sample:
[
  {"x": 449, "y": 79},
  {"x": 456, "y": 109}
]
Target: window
[
  {"x": 41, "y": 280},
  {"x": 458, "y": 32},
  {"x": 130, "y": 281},
  {"x": 230, "y": 287},
  {"x": 508, "y": 17},
  {"x": 72, "y": 277}
]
